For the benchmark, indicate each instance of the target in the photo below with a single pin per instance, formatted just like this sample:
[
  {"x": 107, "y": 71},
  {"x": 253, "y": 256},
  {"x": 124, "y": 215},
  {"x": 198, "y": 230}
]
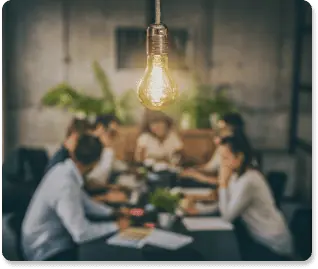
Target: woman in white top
[
  {"x": 245, "y": 194},
  {"x": 231, "y": 124},
  {"x": 158, "y": 140}
]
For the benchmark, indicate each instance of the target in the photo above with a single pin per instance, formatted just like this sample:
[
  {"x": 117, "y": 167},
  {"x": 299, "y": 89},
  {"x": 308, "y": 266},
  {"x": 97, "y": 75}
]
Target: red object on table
[{"x": 137, "y": 212}]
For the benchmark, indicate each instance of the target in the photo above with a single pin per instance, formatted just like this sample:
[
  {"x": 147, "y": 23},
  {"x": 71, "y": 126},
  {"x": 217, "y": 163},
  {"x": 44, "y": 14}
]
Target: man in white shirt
[
  {"x": 106, "y": 129},
  {"x": 56, "y": 218}
]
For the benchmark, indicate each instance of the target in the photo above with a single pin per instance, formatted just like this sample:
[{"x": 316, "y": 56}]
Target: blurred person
[
  {"x": 107, "y": 129},
  {"x": 244, "y": 193},
  {"x": 75, "y": 129},
  {"x": 229, "y": 125},
  {"x": 56, "y": 221},
  {"x": 158, "y": 140}
]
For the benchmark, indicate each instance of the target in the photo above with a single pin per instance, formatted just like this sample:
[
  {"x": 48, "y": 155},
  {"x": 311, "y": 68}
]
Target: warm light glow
[{"x": 156, "y": 89}]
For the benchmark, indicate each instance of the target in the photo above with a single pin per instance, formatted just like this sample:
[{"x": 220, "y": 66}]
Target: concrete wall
[{"x": 247, "y": 44}]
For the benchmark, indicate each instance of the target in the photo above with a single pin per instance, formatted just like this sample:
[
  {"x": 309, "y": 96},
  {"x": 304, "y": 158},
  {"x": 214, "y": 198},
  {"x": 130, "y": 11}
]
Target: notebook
[
  {"x": 206, "y": 224},
  {"x": 132, "y": 237},
  {"x": 168, "y": 240}
]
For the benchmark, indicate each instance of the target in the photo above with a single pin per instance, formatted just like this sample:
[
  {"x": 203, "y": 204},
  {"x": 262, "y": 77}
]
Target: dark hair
[
  {"x": 88, "y": 149},
  {"x": 155, "y": 116},
  {"x": 238, "y": 143},
  {"x": 234, "y": 119},
  {"x": 80, "y": 126},
  {"x": 106, "y": 119}
]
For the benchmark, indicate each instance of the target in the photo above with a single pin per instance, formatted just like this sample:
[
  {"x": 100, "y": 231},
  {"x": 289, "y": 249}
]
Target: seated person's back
[{"x": 56, "y": 216}]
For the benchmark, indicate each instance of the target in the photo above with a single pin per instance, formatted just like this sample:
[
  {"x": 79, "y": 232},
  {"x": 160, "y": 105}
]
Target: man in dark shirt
[
  {"x": 76, "y": 128},
  {"x": 104, "y": 124}
]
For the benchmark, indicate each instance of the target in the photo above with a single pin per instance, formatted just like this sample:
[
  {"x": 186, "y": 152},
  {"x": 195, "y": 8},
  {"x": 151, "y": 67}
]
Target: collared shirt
[
  {"x": 156, "y": 149},
  {"x": 250, "y": 198},
  {"x": 60, "y": 156},
  {"x": 56, "y": 217}
]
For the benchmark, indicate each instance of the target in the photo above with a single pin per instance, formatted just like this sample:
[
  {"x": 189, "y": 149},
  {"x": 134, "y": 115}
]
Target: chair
[
  {"x": 244, "y": 239},
  {"x": 301, "y": 228},
  {"x": 22, "y": 172},
  {"x": 277, "y": 182}
]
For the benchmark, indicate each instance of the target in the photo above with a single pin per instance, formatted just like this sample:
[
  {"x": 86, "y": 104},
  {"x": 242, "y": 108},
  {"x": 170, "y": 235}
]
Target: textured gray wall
[{"x": 251, "y": 49}]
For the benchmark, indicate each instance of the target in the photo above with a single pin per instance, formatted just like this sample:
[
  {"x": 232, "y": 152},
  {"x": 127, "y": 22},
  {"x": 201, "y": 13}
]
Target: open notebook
[{"x": 138, "y": 237}]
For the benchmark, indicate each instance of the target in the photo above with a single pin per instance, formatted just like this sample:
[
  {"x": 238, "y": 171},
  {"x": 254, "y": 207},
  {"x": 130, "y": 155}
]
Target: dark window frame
[{"x": 302, "y": 29}]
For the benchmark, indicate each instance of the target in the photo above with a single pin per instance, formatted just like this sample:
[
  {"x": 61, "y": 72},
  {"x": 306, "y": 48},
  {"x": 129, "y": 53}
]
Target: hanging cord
[{"x": 158, "y": 13}]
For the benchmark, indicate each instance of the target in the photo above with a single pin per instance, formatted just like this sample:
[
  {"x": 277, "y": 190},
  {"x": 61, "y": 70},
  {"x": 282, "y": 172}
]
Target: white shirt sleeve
[
  {"x": 69, "y": 207},
  {"x": 102, "y": 170},
  {"x": 214, "y": 163},
  {"x": 143, "y": 140},
  {"x": 232, "y": 205},
  {"x": 175, "y": 142}
]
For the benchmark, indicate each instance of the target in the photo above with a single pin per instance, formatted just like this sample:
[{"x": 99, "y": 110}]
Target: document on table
[
  {"x": 132, "y": 237},
  {"x": 207, "y": 208},
  {"x": 196, "y": 191},
  {"x": 206, "y": 224},
  {"x": 168, "y": 240}
]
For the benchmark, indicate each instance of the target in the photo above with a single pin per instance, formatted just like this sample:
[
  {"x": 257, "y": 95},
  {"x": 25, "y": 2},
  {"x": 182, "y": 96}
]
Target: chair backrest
[
  {"x": 277, "y": 182},
  {"x": 244, "y": 239},
  {"x": 25, "y": 164},
  {"x": 301, "y": 228},
  {"x": 22, "y": 172}
]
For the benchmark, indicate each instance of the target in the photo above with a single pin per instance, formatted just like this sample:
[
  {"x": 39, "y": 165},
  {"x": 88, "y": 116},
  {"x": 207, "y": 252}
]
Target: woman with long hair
[{"x": 244, "y": 193}]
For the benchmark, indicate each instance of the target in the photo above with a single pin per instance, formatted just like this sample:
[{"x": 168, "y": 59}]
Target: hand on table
[
  {"x": 113, "y": 196},
  {"x": 116, "y": 197},
  {"x": 194, "y": 174},
  {"x": 192, "y": 211},
  {"x": 123, "y": 222}
]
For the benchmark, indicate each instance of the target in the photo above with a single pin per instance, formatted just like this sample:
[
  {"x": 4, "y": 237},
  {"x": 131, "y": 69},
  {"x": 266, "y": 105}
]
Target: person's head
[
  {"x": 232, "y": 121},
  {"x": 158, "y": 124},
  {"x": 78, "y": 127},
  {"x": 227, "y": 125},
  {"x": 107, "y": 123},
  {"x": 75, "y": 129},
  {"x": 236, "y": 152},
  {"x": 87, "y": 153}
]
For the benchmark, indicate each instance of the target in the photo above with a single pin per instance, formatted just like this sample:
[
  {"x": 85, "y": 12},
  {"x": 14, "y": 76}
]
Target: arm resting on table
[
  {"x": 70, "y": 209},
  {"x": 231, "y": 206},
  {"x": 94, "y": 208}
]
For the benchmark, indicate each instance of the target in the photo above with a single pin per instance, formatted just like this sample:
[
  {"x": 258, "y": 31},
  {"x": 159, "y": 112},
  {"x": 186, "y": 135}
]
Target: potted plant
[
  {"x": 67, "y": 97},
  {"x": 166, "y": 204}
]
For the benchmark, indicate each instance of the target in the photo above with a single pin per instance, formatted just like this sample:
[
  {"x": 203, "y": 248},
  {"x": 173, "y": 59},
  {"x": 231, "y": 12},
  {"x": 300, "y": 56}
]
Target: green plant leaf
[{"x": 104, "y": 84}]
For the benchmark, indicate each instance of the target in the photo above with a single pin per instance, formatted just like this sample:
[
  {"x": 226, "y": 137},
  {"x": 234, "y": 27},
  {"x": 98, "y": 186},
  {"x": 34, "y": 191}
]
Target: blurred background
[{"x": 251, "y": 55}]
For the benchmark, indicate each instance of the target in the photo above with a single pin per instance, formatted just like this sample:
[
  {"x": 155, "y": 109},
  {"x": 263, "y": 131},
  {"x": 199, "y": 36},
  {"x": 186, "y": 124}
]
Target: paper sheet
[
  {"x": 207, "y": 208},
  {"x": 196, "y": 191},
  {"x": 128, "y": 181},
  {"x": 133, "y": 237},
  {"x": 206, "y": 224},
  {"x": 168, "y": 240}
]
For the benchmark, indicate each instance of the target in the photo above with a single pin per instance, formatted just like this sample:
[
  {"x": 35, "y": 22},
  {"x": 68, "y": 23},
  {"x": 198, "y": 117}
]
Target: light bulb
[{"x": 157, "y": 90}]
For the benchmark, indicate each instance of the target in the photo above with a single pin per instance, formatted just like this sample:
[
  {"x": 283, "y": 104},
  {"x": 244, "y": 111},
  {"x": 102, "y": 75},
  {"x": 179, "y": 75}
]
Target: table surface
[{"x": 210, "y": 245}]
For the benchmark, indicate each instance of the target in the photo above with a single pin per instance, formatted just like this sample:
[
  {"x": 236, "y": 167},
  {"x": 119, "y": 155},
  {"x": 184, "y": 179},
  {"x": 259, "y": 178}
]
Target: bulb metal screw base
[{"x": 157, "y": 39}]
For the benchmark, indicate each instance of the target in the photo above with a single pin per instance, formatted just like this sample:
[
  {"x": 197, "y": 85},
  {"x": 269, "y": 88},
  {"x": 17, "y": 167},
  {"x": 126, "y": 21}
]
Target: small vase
[{"x": 166, "y": 220}]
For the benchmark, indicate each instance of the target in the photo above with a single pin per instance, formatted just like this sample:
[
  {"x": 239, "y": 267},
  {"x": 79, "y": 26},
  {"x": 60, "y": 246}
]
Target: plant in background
[
  {"x": 209, "y": 101},
  {"x": 165, "y": 201},
  {"x": 67, "y": 97},
  {"x": 199, "y": 103}
]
